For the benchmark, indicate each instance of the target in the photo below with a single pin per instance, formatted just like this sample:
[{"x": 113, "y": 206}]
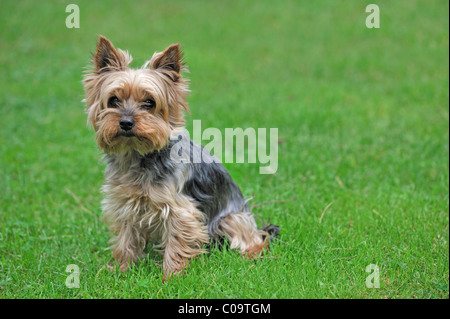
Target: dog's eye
[
  {"x": 113, "y": 101},
  {"x": 149, "y": 104}
]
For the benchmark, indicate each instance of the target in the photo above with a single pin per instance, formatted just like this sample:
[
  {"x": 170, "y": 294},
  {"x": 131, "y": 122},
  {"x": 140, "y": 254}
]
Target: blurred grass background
[{"x": 362, "y": 116}]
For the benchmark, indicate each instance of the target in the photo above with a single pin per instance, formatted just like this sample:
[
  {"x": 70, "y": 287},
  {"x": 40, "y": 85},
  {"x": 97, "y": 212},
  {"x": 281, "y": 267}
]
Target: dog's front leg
[
  {"x": 128, "y": 246},
  {"x": 185, "y": 236}
]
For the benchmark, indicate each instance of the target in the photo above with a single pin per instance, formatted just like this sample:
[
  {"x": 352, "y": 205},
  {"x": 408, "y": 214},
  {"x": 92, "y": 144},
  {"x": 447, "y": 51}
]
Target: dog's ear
[
  {"x": 168, "y": 60},
  {"x": 107, "y": 57}
]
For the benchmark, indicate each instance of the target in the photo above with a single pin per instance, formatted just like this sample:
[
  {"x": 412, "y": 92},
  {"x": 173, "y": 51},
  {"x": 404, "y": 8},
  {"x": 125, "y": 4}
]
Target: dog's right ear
[
  {"x": 169, "y": 62},
  {"x": 107, "y": 58},
  {"x": 170, "y": 59}
]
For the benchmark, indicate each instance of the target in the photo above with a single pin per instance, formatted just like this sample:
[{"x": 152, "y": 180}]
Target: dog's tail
[{"x": 271, "y": 230}]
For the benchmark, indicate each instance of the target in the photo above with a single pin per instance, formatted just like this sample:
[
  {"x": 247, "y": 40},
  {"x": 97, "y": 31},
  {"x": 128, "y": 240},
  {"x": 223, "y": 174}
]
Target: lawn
[{"x": 363, "y": 151}]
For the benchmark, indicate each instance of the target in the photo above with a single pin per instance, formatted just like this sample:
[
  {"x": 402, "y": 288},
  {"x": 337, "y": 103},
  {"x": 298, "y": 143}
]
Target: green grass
[{"x": 363, "y": 123}]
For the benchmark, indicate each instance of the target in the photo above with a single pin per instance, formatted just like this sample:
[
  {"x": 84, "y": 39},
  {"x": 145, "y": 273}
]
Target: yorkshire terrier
[{"x": 148, "y": 196}]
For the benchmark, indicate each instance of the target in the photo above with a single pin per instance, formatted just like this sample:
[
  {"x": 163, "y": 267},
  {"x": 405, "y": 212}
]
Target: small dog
[{"x": 149, "y": 197}]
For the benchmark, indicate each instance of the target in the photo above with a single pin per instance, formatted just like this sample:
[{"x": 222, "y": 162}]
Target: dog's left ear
[
  {"x": 168, "y": 60},
  {"x": 107, "y": 58}
]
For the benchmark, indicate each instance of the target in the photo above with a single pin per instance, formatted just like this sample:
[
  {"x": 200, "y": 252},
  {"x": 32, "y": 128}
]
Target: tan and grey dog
[{"x": 149, "y": 197}]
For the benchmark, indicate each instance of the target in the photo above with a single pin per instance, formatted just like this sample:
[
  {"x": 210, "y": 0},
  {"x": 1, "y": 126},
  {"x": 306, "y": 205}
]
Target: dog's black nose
[{"x": 126, "y": 124}]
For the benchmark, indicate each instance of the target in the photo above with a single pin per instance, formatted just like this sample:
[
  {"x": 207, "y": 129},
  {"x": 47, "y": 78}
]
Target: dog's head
[{"x": 135, "y": 109}]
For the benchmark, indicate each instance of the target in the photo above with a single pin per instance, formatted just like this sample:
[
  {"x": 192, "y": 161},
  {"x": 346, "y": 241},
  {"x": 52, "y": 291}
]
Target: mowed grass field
[{"x": 363, "y": 124}]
